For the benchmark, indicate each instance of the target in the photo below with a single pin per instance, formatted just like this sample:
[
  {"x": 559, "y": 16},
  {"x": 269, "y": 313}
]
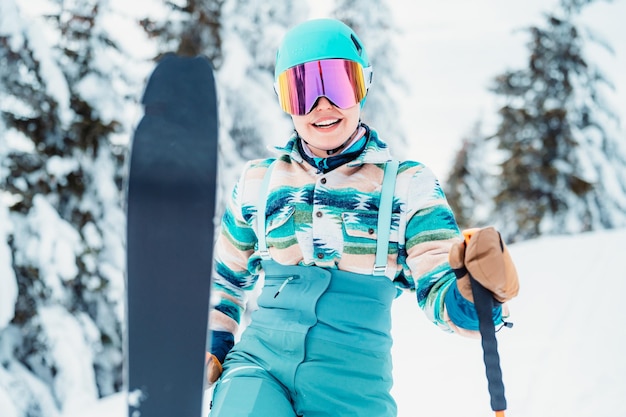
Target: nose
[{"x": 323, "y": 103}]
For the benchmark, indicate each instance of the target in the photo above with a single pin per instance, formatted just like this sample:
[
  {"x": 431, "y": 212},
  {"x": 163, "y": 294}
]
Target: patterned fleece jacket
[{"x": 329, "y": 220}]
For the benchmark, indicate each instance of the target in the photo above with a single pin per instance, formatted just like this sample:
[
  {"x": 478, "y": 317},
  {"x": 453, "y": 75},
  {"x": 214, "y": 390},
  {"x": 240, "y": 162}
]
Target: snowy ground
[{"x": 564, "y": 356}]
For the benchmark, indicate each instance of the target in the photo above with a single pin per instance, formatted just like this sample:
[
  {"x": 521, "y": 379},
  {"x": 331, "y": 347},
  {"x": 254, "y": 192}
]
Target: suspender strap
[
  {"x": 260, "y": 215},
  {"x": 384, "y": 217}
]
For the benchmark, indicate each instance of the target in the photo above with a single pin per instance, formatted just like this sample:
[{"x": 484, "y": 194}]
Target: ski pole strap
[{"x": 484, "y": 303}]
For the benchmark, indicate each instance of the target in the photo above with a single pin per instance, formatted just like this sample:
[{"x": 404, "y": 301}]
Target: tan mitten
[{"x": 489, "y": 261}]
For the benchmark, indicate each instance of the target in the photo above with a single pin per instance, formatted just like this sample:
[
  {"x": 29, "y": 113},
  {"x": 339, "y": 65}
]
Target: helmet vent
[{"x": 358, "y": 46}]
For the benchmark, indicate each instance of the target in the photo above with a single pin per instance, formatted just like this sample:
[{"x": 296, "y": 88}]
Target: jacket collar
[{"x": 375, "y": 152}]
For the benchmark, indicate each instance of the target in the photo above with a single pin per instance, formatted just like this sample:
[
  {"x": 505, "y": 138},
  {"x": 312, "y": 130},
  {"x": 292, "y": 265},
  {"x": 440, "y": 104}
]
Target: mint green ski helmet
[{"x": 319, "y": 39}]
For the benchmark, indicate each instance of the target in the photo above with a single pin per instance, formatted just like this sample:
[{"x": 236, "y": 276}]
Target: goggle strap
[{"x": 368, "y": 74}]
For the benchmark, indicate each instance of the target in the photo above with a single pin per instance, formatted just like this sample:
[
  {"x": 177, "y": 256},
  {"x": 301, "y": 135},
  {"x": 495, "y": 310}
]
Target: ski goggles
[{"x": 341, "y": 81}]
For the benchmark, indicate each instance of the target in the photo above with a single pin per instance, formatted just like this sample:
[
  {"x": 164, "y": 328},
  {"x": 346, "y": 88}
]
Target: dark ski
[{"x": 170, "y": 208}]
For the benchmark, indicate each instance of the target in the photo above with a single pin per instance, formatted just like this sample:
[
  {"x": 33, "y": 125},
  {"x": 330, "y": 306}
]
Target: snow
[
  {"x": 32, "y": 25},
  {"x": 54, "y": 246},
  {"x": 59, "y": 167},
  {"x": 563, "y": 356},
  {"x": 8, "y": 282},
  {"x": 22, "y": 387},
  {"x": 75, "y": 384}
]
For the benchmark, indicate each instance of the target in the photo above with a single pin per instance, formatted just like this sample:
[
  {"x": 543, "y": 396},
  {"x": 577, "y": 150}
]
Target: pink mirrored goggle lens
[{"x": 343, "y": 82}]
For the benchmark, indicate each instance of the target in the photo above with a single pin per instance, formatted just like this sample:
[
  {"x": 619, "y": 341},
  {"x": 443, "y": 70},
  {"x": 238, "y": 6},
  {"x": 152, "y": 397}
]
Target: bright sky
[{"x": 452, "y": 49}]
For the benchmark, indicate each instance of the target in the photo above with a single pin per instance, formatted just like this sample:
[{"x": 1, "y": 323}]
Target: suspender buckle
[{"x": 380, "y": 270}]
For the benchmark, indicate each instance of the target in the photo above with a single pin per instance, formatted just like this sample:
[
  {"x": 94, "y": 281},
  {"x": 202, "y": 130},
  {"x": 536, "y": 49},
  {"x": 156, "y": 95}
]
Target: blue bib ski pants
[{"x": 319, "y": 345}]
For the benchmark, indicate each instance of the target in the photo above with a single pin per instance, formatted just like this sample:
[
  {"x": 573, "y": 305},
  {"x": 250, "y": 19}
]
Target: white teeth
[{"x": 326, "y": 123}]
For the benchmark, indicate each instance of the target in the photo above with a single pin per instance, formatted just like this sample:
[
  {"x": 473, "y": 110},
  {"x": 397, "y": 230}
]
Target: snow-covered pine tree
[
  {"x": 470, "y": 184},
  {"x": 65, "y": 101},
  {"x": 373, "y": 21},
  {"x": 250, "y": 117},
  {"x": 565, "y": 169},
  {"x": 189, "y": 27}
]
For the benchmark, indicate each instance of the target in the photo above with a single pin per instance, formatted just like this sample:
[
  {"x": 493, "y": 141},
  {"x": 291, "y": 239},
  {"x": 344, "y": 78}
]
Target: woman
[{"x": 338, "y": 229}]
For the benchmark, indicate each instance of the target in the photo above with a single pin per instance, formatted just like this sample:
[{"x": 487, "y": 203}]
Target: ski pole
[{"x": 484, "y": 303}]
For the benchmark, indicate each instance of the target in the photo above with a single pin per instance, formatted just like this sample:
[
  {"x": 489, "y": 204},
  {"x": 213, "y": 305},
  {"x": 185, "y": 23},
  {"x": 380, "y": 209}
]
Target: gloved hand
[
  {"x": 487, "y": 258},
  {"x": 221, "y": 344},
  {"x": 213, "y": 368}
]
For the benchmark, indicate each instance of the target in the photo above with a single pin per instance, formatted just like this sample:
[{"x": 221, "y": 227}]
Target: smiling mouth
[{"x": 327, "y": 123}]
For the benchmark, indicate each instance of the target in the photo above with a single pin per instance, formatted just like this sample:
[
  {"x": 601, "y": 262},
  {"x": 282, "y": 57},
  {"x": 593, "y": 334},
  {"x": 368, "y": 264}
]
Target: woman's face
[{"x": 327, "y": 126}]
